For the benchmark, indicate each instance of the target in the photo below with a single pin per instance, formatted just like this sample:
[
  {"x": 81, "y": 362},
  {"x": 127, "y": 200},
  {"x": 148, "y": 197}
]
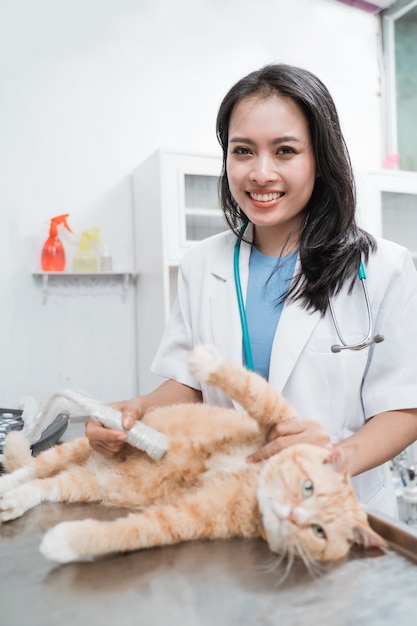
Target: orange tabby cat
[{"x": 300, "y": 500}]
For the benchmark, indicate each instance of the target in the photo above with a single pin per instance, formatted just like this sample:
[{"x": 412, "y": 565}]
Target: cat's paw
[
  {"x": 203, "y": 361},
  {"x": 14, "y": 503},
  {"x": 59, "y": 543},
  {"x": 73, "y": 541}
]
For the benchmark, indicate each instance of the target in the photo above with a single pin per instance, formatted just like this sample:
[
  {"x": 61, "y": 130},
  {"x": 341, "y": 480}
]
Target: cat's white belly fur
[
  {"x": 101, "y": 468},
  {"x": 228, "y": 462}
]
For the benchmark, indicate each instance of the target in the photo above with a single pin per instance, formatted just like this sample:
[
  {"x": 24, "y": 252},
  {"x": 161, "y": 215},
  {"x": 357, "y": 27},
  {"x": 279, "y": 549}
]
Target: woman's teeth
[{"x": 266, "y": 197}]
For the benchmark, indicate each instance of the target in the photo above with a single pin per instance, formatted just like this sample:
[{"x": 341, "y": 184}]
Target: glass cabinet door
[
  {"x": 399, "y": 219},
  {"x": 190, "y": 201},
  {"x": 203, "y": 216},
  {"x": 388, "y": 206},
  {"x": 399, "y": 27}
]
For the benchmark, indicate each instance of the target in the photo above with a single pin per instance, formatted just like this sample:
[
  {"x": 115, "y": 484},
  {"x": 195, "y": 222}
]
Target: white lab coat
[{"x": 341, "y": 391}]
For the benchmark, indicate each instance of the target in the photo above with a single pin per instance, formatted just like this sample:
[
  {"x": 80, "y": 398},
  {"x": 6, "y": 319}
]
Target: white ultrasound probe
[{"x": 141, "y": 436}]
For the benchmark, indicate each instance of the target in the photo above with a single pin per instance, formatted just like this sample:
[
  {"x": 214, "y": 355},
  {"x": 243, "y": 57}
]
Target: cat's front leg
[
  {"x": 263, "y": 403},
  {"x": 16, "y": 478},
  {"x": 220, "y": 510},
  {"x": 87, "y": 539},
  {"x": 19, "y": 500}
]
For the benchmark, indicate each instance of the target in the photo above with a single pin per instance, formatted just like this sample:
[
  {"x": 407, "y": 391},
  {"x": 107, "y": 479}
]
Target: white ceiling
[{"x": 382, "y": 4}]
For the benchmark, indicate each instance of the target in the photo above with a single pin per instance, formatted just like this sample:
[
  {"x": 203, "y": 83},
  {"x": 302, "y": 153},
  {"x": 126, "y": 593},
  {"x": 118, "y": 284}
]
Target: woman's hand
[
  {"x": 107, "y": 441},
  {"x": 288, "y": 433}
]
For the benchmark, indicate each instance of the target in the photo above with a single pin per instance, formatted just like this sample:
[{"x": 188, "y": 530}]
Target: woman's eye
[
  {"x": 241, "y": 150},
  {"x": 318, "y": 531},
  {"x": 307, "y": 488},
  {"x": 285, "y": 150}
]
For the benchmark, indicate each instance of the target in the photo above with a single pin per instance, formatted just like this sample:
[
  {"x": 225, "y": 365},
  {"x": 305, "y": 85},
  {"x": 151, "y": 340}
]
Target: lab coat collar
[
  {"x": 223, "y": 267},
  {"x": 294, "y": 329}
]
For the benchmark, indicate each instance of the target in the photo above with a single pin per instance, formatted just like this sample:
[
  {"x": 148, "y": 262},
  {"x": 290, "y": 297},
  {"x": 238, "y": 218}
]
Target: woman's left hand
[{"x": 289, "y": 432}]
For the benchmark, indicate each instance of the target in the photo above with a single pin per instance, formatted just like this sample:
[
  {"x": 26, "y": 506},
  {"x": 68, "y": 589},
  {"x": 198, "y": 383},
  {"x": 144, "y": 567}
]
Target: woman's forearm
[
  {"x": 170, "y": 392},
  {"x": 381, "y": 438}
]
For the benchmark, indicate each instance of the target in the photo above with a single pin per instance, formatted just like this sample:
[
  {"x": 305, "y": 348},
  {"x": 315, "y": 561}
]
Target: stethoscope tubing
[
  {"x": 370, "y": 338},
  {"x": 241, "y": 305}
]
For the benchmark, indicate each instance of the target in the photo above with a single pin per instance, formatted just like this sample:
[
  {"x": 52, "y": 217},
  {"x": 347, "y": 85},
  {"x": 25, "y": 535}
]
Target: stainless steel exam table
[{"x": 220, "y": 583}]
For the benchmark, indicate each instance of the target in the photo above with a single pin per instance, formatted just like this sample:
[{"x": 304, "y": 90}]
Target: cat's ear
[
  {"x": 365, "y": 536},
  {"x": 340, "y": 457}
]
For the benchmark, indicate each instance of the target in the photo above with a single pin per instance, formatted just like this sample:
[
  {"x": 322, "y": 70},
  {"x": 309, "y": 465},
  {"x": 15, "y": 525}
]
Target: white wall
[{"x": 88, "y": 89}]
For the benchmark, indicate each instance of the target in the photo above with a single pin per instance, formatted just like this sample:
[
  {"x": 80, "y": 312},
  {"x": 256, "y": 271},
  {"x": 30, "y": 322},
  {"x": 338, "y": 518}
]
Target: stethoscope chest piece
[{"x": 370, "y": 339}]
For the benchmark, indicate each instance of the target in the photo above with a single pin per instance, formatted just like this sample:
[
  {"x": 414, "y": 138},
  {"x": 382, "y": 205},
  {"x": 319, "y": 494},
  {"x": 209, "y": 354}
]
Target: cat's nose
[
  {"x": 288, "y": 513},
  {"x": 291, "y": 517}
]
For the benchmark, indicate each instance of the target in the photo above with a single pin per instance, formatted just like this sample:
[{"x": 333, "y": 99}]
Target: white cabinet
[
  {"x": 388, "y": 206},
  {"x": 175, "y": 203}
]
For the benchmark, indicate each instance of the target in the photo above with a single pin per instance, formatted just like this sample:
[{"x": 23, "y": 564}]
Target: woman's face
[{"x": 270, "y": 165}]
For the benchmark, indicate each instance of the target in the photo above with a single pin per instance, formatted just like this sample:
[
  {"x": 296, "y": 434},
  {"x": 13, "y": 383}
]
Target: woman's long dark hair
[{"x": 331, "y": 243}]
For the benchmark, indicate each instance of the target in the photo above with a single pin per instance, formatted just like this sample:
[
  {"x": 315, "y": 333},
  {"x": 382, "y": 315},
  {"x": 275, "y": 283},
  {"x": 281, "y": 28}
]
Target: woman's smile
[{"x": 266, "y": 197}]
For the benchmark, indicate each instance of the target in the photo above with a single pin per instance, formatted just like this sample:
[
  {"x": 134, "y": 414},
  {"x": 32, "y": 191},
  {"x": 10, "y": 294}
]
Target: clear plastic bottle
[
  {"x": 86, "y": 259},
  {"x": 106, "y": 261}
]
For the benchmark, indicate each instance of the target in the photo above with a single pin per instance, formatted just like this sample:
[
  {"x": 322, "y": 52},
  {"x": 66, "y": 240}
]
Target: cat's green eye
[
  {"x": 307, "y": 488},
  {"x": 318, "y": 531}
]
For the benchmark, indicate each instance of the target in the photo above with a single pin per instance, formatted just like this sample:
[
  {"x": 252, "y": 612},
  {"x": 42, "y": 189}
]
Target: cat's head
[{"x": 308, "y": 507}]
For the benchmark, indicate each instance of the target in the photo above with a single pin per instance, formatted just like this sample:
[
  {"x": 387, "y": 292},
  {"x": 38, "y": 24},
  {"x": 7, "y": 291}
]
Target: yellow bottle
[{"x": 86, "y": 259}]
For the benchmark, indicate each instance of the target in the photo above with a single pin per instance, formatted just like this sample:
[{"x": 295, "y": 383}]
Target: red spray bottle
[{"x": 53, "y": 254}]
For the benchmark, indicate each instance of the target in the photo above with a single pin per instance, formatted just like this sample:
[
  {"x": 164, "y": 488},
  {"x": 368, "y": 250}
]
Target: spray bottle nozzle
[
  {"x": 90, "y": 235},
  {"x": 56, "y": 221},
  {"x": 86, "y": 259}
]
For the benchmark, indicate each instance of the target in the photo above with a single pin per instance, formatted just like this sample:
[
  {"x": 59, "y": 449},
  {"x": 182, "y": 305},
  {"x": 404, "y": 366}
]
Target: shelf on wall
[{"x": 84, "y": 283}]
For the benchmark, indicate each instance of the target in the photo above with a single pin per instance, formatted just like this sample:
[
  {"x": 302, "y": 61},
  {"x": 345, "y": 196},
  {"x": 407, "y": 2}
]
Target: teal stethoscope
[{"x": 367, "y": 341}]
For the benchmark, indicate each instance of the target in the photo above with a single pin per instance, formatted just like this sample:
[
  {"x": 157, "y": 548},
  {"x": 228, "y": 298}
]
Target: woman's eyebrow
[{"x": 285, "y": 138}]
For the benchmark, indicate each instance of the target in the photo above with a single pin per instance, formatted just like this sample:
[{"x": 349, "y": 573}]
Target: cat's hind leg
[{"x": 253, "y": 392}]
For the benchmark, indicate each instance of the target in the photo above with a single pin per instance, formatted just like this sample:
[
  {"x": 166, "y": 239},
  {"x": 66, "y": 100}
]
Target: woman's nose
[{"x": 264, "y": 170}]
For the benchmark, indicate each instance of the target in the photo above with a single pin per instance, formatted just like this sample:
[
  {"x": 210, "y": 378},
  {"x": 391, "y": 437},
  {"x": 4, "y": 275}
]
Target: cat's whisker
[
  {"x": 274, "y": 563},
  {"x": 289, "y": 561},
  {"x": 279, "y": 562},
  {"x": 313, "y": 567}
]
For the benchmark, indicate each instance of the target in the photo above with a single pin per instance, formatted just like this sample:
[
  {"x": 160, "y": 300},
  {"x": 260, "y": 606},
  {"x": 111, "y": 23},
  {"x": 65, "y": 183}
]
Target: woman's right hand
[{"x": 107, "y": 441}]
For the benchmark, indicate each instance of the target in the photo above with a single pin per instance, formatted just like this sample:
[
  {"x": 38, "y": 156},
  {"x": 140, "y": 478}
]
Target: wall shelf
[{"x": 84, "y": 283}]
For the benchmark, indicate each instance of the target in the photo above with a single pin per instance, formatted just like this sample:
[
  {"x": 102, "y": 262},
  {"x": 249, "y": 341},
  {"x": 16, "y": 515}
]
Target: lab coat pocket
[
  {"x": 375, "y": 490},
  {"x": 339, "y": 378}
]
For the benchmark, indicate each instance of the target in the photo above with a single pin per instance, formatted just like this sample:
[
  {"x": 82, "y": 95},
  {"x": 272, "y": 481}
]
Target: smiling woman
[{"x": 288, "y": 195}]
